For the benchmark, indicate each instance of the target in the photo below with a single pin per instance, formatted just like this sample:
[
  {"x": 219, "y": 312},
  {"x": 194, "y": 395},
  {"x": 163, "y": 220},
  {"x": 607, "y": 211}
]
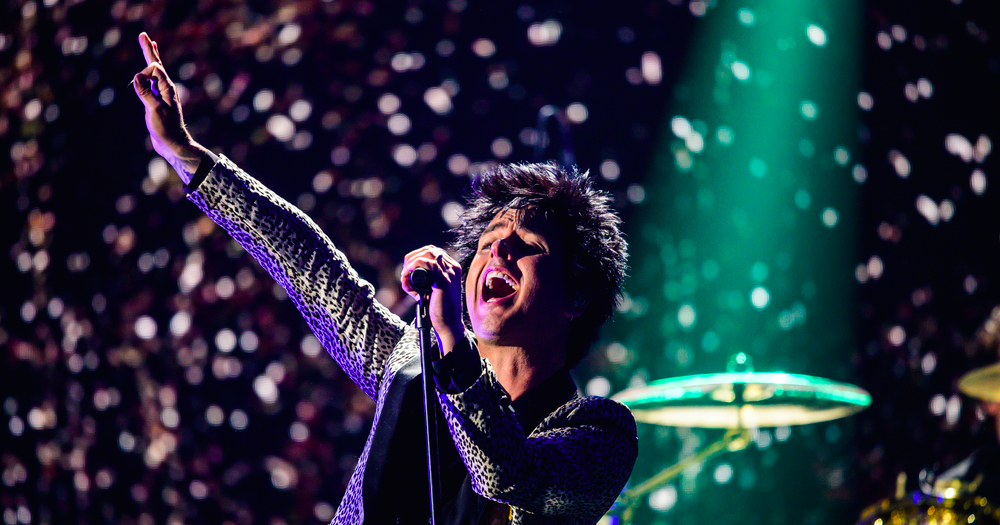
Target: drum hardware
[
  {"x": 982, "y": 383},
  {"x": 734, "y": 440},
  {"x": 943, "y": 501},
  {"x": 738, "y": 400},
  {"x": 951, "y": 502}
]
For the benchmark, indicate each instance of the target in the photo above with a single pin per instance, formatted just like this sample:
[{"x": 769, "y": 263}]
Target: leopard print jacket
[{"x": 569, "y": 469}]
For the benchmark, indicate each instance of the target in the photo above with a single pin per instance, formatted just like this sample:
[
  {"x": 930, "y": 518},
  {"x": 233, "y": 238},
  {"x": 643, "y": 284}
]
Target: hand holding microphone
[
  {"x": 421, "y": 281},
  {"x": 431, "y": 271}
]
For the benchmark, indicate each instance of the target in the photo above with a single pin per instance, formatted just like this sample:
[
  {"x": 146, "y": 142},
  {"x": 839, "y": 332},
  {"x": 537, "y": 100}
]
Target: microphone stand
[
  {"x": 566, "y": 156},
  {"x": 427, "y": 356}
]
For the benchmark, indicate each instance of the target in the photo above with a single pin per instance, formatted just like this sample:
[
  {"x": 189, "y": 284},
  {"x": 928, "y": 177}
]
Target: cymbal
[
  {"x": 982, "y": 383},
  {"x": 743, "y": 400}
]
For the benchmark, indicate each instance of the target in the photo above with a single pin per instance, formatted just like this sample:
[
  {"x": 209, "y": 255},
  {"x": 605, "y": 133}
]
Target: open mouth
[{"x": 498, "y": 286}]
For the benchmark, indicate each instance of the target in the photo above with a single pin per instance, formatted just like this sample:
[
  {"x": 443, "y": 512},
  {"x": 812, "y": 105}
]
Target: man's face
[{"x": 516, "y": 289}]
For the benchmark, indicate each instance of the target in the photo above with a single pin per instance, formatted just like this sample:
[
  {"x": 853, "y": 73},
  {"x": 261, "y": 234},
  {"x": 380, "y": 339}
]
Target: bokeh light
[{"x": 776, "y": 204}]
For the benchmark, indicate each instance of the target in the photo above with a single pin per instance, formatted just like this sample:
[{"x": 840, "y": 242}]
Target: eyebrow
[
  {"x": 504, "y": 222},
  {"x": 496, "y": 225}
]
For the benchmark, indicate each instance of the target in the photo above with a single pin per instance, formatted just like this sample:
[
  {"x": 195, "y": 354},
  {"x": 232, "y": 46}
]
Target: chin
[
  {"x": 487, "y": 331},
  {"x": 496, "y": 331}
]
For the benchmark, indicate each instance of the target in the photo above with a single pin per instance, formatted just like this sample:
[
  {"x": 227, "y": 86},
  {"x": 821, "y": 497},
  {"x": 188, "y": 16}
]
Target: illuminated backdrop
[
  {"x": 806, "y": 182},
  {"x": 745, "y": 244}
]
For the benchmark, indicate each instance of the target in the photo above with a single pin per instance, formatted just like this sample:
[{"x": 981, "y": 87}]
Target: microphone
[{"x": 420, "y": 280}]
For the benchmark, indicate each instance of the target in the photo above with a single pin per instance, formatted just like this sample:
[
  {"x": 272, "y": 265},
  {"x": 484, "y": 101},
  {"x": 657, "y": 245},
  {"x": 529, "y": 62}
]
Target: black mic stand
[
  {"x": 420, "y": 279},
  {"x": 566, "y": 157}
]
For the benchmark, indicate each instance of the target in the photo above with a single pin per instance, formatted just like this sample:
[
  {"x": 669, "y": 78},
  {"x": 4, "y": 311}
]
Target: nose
[{"x": 501, "y": 248}]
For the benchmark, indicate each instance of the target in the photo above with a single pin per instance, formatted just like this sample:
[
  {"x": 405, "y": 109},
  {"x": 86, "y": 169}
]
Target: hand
[
  {"x": 163, "y": 114},
  {"x": 446, "y": 292}
]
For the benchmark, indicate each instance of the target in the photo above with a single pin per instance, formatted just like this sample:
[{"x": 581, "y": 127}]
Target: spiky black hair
[{"x": 595, "y": 251}]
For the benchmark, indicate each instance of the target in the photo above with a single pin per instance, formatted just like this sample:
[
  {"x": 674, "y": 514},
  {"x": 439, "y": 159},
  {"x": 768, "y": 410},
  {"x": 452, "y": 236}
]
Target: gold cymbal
[
  {"x": 982, "y": 383},
  {"x": 743, "y": 400}
]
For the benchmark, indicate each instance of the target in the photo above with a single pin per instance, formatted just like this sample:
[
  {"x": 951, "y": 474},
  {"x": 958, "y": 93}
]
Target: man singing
[{"x": 540, "y": 261}]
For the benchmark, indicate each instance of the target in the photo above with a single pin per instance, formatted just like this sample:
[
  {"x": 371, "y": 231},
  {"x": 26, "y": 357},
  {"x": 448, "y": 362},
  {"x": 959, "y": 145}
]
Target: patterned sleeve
[
  {"x": 573, "y": 465},
  {"x": 339, "y": 305}
]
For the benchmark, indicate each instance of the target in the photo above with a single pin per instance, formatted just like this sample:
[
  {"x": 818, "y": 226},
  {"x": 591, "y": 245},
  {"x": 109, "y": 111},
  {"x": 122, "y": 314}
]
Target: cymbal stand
[{"x": 734, "y": 440}]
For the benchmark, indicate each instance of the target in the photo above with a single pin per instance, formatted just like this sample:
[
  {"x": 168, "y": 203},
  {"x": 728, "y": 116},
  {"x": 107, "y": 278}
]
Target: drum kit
[{"x": 741, "y": 399}]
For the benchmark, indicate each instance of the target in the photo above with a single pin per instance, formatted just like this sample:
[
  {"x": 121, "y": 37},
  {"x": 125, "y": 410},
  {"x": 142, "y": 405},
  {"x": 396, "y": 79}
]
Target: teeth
[{"x": 497, "y": 275}]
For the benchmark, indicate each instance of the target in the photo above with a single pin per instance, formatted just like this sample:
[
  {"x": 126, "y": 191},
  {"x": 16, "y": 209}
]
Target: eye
[{"x": 535, "y": 245}]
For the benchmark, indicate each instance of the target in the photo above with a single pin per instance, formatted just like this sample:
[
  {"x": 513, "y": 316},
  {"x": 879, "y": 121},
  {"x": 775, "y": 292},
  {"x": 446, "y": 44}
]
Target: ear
[{"x": 576, "y": 306}]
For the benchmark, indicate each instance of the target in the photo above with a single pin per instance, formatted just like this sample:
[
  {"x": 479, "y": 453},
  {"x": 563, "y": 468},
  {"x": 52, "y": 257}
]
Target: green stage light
[{"x": 744, "y": 243}]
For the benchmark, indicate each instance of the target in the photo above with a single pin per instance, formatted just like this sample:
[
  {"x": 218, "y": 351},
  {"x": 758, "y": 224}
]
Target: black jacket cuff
[
  {"x": 459, "y": 369},
  {"x": 208, "y": 161}
]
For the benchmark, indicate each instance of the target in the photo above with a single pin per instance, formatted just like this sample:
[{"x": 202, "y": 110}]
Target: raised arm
[
  {"x": 164, "y": 119},
  {"x": 339, "y": 306}
]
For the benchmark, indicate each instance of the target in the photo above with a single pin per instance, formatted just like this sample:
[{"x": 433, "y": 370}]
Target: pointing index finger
[{"x": 147, "y": 47}]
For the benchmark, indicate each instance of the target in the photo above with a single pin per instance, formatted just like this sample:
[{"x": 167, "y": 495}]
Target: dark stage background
[{"x": 150, "y": 372}]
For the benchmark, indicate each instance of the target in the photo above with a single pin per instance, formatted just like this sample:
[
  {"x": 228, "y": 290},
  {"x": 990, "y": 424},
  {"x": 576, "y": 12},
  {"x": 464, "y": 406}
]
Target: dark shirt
[
  {"x": 469, "y": 508},
  {"x": 404, "y": 481}
]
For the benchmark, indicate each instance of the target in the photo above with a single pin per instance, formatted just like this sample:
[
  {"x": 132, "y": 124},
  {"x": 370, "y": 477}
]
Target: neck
[{"x": 518, "y": 368}]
